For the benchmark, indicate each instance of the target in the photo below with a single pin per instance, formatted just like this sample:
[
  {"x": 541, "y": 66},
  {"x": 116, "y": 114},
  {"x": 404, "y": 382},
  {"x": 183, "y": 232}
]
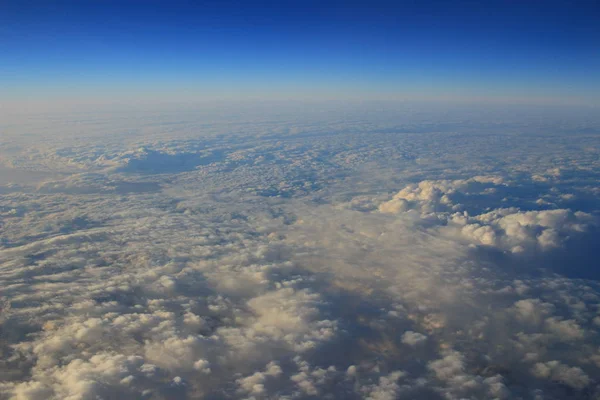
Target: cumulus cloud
[
  {"x": 509, "y": 229},
  {"x": 387, "y": 258},
  {"x": 413, "y": 338},
  {"x": 556, "y": 371}
]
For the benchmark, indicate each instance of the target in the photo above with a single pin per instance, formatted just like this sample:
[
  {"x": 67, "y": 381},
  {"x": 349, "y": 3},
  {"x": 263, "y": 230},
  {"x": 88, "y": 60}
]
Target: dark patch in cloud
[{"x": 156, "y": 162}]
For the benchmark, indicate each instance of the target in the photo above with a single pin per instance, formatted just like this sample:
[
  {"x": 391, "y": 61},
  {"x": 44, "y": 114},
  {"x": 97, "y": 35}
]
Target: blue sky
[{"x": 515, "y": 50}]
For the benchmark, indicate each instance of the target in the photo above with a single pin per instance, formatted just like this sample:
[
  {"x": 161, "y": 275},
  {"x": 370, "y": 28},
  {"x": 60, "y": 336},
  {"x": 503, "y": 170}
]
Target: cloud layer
[{"x": 307, "y": 257}]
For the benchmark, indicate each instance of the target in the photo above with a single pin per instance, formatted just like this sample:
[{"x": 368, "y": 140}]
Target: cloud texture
[{"x": 289, "y": 258}]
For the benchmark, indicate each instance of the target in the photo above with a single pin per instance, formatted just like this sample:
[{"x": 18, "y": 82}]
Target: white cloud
[
  {"x": 268, "y": 259},
  {"x": 556, "y": 371},
  {"x": 386, "y": 389},
  {"x": 413, "y": 338}
]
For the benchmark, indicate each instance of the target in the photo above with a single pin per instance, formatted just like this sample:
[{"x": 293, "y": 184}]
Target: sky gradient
[{"x": 529, "y": 51}]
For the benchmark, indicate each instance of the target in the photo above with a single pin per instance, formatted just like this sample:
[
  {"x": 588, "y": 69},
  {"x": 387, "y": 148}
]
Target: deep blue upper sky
[{"x": 511, "y": 49}]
